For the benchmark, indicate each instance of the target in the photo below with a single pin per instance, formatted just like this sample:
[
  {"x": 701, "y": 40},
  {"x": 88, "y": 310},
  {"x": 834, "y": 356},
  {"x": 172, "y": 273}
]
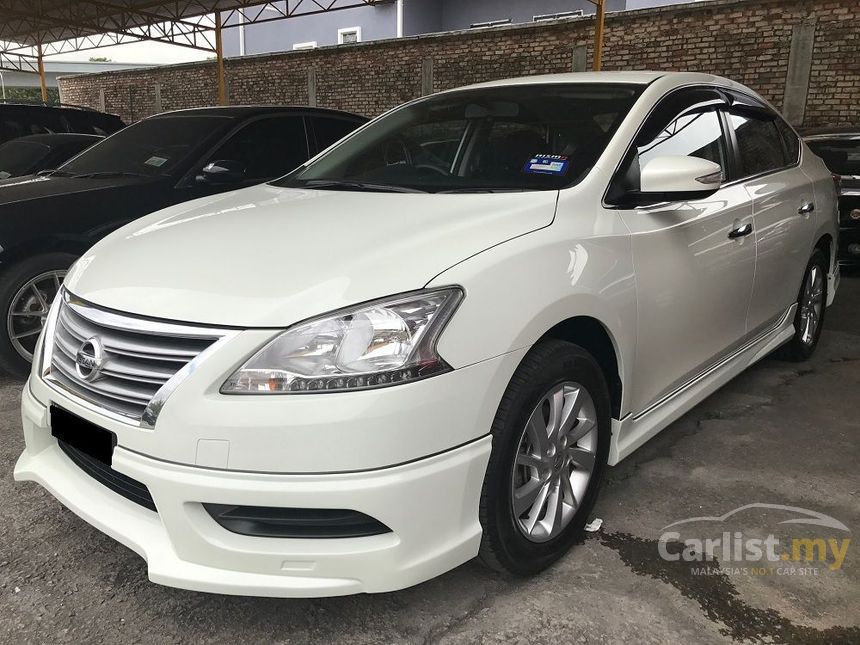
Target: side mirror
[
  {"x": 675, "y": 178},
  {"x": 224, "y": 171}
]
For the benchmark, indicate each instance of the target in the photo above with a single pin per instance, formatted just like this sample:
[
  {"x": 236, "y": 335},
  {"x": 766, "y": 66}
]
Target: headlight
[{"x": 373, "y": 345}]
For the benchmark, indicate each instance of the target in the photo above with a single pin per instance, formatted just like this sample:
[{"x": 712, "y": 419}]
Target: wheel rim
[
  {"x": 811, "y": 305},
  {"x": 29, "y": 310},
  {"x": 554, "y": 462}
]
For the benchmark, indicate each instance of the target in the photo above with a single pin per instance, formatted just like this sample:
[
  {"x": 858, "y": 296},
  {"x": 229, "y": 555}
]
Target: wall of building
[
  {"x": 457, "y": 14},
  {"x": 376, "y": 22},
  {"x": 747, "y": 40}
]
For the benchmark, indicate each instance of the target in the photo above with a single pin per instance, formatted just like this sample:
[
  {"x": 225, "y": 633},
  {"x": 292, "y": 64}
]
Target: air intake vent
[{"x": 121, "y": 484}]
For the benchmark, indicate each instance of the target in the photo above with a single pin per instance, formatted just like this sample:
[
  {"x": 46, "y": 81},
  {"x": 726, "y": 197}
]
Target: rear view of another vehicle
[
  {"x": 22, "y": 119},
  {"x": 841, "y": 152},
  {"x": 38, "y": 152}
]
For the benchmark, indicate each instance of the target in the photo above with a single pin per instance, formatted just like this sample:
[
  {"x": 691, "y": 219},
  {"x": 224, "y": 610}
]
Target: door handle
[
  {"x": 741, "y": 231},
  {"x": 806, "y": 208}
]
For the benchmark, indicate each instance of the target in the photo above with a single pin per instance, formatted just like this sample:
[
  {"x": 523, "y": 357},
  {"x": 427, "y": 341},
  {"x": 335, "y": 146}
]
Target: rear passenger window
[
  {"x": 328, "y": 131},
  {"x": 759, "y": 144}
]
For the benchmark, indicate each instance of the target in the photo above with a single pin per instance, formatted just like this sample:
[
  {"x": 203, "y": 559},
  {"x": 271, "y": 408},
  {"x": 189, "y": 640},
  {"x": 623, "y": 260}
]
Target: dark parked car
[
  {"x": 21, "y": 120},
  {"x": 840, "y": 150},
  {"x": 29, "y": 155},
  {"x": 47, "y": 221}
]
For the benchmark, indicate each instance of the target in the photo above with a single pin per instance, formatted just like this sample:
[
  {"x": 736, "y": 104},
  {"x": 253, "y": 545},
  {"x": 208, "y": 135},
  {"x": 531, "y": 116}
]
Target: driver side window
[
  {"x": 687, "y": 124},
  {"x": 694, "y": 134},
  {"x": 266, "y": 148}
]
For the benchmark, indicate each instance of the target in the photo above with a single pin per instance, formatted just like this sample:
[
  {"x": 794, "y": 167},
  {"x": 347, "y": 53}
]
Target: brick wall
[{"x": 746, "y": 40}]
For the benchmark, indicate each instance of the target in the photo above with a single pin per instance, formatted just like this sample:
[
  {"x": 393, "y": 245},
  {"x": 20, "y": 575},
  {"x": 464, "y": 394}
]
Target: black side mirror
[{"x": 225, "y": 171}]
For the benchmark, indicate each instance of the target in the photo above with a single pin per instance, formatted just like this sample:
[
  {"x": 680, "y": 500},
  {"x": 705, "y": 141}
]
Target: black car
[
  {"x": 22, "y": 119},
  {"x": 47, "y": 221},
  {"x": 840, "y": 150},
  {"x": 29, "y": 155}
]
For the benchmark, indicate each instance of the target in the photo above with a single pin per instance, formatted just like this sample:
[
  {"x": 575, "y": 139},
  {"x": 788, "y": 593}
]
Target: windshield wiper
[
  {"x": 483, "y": 190},
  {"x": 108, "y": 174},
  {"x": 344, "y": 184},
  {"x": 53, "y": 172}
]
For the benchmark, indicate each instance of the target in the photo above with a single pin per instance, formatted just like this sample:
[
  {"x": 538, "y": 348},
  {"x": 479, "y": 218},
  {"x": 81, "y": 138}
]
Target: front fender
[{"x": 517, "y": 291}]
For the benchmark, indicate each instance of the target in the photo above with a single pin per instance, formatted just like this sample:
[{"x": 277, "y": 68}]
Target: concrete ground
[{"x": 780, "y": 434}]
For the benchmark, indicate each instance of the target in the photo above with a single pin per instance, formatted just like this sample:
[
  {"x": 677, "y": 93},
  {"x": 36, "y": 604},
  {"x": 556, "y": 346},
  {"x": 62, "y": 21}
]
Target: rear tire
[
  {"x": 26, "y": 289},
  {"x": 811, "y": 308},
  {"x": 557, "y": 385}
]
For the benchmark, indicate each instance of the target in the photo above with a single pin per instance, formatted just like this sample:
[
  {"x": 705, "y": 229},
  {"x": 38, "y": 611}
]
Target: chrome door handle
[
  {"x": 806, "y": 208},
  {"x": 741, "y": 231}
]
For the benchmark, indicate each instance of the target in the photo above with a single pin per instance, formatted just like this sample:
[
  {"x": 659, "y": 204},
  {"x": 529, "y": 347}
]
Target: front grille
[
  {"x": 139, "y": 356},
  {"x": 121, "y": 484}
]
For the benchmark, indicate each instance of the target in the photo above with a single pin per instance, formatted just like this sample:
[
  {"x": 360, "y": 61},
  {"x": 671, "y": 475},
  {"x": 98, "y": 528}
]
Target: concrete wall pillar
[
  {"x": 427, "y": 76},
  {"x": 799, "y": 67},
  {"x": 312, "y": 87},
  {"x": 579, "y": 62}
]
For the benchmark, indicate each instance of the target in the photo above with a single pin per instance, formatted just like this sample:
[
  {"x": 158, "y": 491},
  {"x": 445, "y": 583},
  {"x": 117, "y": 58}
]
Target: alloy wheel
[
  {"x": 811, "y": 304},
  {"x": 554, "y": 462},
  {"x": 29, "y": 310}
]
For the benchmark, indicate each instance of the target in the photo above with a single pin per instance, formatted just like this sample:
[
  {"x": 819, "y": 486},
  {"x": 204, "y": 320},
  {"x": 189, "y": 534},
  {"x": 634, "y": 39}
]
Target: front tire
[
  {"x": 811, "y": 307},
  {"x": 551, "y": 440},
  {"x": 27, "y": 289}
]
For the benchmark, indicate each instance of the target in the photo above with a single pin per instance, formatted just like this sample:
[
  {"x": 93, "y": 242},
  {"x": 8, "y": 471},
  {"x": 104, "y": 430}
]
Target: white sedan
[{"x": 428, "y": 343}]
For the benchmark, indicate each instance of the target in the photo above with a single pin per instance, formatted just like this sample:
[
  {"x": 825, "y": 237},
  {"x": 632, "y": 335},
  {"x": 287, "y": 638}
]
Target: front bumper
[{"x": 430, "y": 504}]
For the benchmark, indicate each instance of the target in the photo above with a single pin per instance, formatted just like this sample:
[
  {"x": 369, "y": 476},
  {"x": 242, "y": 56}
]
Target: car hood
[
  {"x": 267, "y": 256},
  {"x": 29, "y": 187}
]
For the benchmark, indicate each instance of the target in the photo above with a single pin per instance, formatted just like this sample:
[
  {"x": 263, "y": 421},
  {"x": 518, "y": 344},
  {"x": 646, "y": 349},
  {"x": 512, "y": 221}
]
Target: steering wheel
[
  {"x": 388, "y": 158},
  {"x": 436, "y": 169}
]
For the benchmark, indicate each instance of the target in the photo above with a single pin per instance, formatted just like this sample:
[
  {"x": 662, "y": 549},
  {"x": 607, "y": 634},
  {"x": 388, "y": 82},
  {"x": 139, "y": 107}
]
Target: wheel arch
[
  {"x": 825, "y": 243},
  {"x": 594, "y": 337},
  {"x": 30, "y": 248}
]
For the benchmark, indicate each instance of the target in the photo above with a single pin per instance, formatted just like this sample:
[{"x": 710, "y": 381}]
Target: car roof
[
  {"x": 59, "y": 137},
  {"x": 635, "y": 78},
  {"x": 643, "y": 78},
  {"x": 246, "y": 111},
  {"x": 63, "y": 107}
]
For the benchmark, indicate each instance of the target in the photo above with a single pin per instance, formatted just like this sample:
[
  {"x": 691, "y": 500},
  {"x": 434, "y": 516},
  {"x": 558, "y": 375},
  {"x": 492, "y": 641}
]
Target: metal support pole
[
  {"x": 42, "y": 81},
  {"x": 219, "y": 56},
  {"x": 598, "y": 34}
]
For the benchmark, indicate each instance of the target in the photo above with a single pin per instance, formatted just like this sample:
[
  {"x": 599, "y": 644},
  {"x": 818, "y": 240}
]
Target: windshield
[
  {"x": 525, "y": 137},
  {"x": 150, "y": 147},
  {"x": 840, "y": 156},
  {"x": 19, "y": 157}
]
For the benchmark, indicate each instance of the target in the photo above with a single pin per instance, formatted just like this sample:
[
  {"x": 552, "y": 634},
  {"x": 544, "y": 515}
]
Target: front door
[{"x": 693, "y": 280}]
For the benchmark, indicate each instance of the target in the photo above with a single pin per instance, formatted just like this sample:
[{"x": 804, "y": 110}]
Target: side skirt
[{"x": 631, "y": 432}]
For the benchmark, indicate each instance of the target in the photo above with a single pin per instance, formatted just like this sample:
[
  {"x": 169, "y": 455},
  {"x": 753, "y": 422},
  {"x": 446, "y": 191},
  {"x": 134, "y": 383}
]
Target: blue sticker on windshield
[{"x": 547, "y": 165}]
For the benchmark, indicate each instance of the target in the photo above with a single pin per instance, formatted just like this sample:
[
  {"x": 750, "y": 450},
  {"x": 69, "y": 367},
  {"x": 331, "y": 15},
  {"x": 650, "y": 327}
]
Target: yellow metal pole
[
  {"x": 42, "y": 76},
  {"x": 219, "y": 56},
  {"x": 598, "y": 35}
]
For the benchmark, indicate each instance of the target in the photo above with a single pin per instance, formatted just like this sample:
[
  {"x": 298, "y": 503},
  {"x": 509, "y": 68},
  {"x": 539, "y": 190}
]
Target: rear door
[
  {"x": 782, "y": 202},
  {"x": 693, "y": 281}
]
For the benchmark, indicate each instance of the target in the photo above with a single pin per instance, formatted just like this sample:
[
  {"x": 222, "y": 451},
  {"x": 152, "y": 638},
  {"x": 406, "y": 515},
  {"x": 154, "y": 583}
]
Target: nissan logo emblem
[{"x": 90, "y": 359}]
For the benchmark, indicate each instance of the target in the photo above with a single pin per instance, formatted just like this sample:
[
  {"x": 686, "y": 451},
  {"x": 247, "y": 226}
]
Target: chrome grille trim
[{"x": 144, "y": 360}]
